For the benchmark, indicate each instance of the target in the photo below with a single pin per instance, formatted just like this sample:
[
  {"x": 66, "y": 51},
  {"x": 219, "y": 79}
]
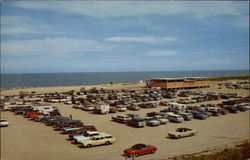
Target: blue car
[
  {"x": 71, "y": 136},
  {"x": 199, "y": 115}
]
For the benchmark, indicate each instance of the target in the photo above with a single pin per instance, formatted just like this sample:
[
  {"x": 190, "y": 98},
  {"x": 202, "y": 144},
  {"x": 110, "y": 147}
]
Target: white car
[
  {"x": 175, "y": 118},
  {"x": 4, "y": 123},
  {"x": 182, "y": 132},
  {"x": 150, "y": 121},
  {"x": 162, "y": 119},
  {"x": 85, "y": 136},
  {"x": 121, "y": 118},
  {"x": 121, "y": 108},
  {"x": 98, "y": 140},
  {"x": 87, "y": 108}
]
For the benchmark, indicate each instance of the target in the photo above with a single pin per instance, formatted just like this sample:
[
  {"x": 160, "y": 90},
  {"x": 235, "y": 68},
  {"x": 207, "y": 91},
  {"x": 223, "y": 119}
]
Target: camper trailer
[
  {"x": 42, "y": 108},
  {"x": 177, "y": 106}
]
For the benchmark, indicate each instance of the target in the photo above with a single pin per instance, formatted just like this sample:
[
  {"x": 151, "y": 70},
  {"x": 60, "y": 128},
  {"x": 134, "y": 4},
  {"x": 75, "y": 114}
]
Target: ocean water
[{"x": 62, "y": 79}]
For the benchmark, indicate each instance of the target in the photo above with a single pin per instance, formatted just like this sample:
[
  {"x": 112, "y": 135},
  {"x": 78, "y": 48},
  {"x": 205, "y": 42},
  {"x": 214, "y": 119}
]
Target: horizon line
[{"x": 126, "y": 71}]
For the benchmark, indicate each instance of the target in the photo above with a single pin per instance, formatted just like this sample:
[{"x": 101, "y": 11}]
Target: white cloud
[
  {"x": 50, "y": 46},
  {"x": 18, "y": 30},
  {"x": 130, "y": 8},
  {"x": 143, "y": 39},
  {"x": 213, "y": 51},
  {"x": 12, "y": 25},
  {"x": 162, "y": 53}
]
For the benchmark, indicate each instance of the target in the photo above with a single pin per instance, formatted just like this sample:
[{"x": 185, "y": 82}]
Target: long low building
[{"x": 179, "y": 83}]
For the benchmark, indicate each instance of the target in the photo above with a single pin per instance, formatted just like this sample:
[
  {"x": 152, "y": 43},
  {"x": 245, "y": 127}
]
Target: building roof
[{"x": 183, "y": 78}]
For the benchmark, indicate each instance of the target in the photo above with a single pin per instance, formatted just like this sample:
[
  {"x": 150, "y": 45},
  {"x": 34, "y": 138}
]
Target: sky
[{"x": 114, "y": 36}]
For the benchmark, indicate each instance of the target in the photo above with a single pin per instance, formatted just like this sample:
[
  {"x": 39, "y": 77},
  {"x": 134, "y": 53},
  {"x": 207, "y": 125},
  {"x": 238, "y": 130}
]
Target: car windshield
[
  {"x": 139, "y": 146},
  {"x": 86, "y": 134}
]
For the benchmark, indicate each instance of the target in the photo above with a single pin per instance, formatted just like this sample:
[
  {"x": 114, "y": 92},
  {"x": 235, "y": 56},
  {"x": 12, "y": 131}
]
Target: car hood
[
  {"x": 81, "y": 138},
  {"x": 174, "y": 133}
]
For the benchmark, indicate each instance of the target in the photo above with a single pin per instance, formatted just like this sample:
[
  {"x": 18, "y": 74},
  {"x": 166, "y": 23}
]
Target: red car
[
  {"x": 34, "y": 115},
  {"x": 28, "y": 114},
  {"x": 139, "y": 149}
]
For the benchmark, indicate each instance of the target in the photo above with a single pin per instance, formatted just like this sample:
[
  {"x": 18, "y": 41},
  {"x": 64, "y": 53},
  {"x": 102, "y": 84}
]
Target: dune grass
[{"x": 239, "y": 152}]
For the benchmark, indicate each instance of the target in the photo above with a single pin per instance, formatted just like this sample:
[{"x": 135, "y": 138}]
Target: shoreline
[
  {"x": 71, "y": 85},
  {"x": 129, "y": 82}
]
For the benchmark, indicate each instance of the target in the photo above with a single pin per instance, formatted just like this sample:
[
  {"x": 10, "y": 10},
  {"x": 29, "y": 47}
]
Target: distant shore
[
  {"x": 82, "y": 85},
  {"x": 9, "y": 81}
]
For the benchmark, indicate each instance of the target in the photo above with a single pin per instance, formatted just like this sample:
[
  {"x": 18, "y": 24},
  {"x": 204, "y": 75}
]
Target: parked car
[
  {"x": 87, "y": 108},
  {"x": 206, "y": 113},
  {"x": 98, "y": 140},
  {"x": 4, "y": 123},
  {"x": 121, "y": 118},
  {"x": 150, "y": 121},
  {"x": 187, "y": 116},
  {"x": 68, "y": 130},
  {"x": 39, "y": 118},
  {"x": 102, "y": 109},
  {"x": 113, "y": 110},
  {"x": 76, "y": 106},
  {"x": 231, "y": 109},
  {"x": 175, "y": 118},
  {"x": 139, "y": 149},
  {"x": 162, "y": 119},
  {"x": 198, "y": 115},
  {"x": 241, "y": 108},
  {"x": 89, "y": 128},
  {"x": 137, "y": 122},
  {"x": 80, "y": 132},
  {"x": 133, "y": 115},
  {"x": 121, "y": 108},
  {"x": 86, "y": 135},
  {"x": 214, "y": 110},
  {"x": 22, "y": 110},
  {"x": 152, "y": 114},
  {"x": 133, "y": 107},
  {"x": 224, "y": 111},
  {"x": 182, "y": 132}
]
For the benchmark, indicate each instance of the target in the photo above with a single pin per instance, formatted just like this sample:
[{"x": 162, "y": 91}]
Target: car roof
[
  {"x": 92, "y": 132},
  {"x": 139, "y": 146},
  {"x": 184, "y": 128},
  {"x": 103, "y": 135}
]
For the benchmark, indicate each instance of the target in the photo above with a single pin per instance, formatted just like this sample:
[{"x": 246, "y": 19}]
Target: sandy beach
[{"x": 24, "y": 139}]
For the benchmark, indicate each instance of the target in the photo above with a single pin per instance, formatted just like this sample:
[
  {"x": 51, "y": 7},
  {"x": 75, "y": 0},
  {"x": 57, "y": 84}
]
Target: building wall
[
  {"x": 157, "y": 84},
  {"x": 180, "y": 84}
]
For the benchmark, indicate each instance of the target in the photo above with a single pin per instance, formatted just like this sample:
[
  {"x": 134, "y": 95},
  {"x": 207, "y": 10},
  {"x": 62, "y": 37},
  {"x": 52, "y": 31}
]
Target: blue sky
[{"x": 109, "y": 36}]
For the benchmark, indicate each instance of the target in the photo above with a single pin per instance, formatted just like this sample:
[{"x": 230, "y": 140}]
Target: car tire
[
  {"x": 137, "y": 154},
  {"x": 153, "y": 151},
  {"x": 179, "y": 137},
  {"x": 89, "y": 145},
  {"x": 107, "y": 143}
]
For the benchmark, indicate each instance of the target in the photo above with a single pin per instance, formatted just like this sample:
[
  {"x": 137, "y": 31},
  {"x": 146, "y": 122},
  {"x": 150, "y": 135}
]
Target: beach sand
[{"x": 24, "y": 139}]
